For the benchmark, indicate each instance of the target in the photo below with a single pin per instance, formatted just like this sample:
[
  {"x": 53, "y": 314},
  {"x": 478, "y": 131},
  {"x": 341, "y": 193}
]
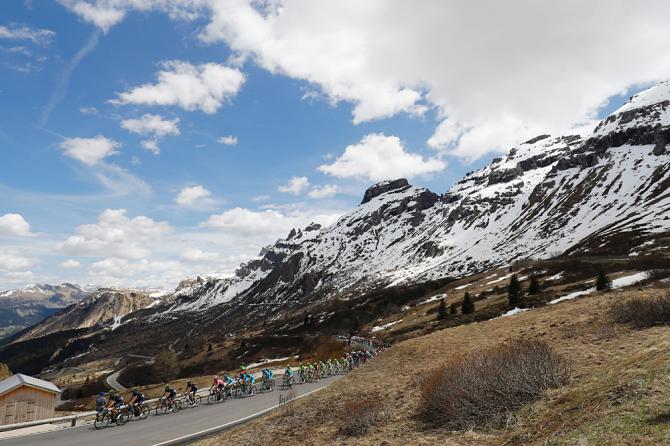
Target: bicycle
[
  {"x": 288, "y": 382},
  {"x": 103, "y": 419},
  {"x": 267, "y": 385},
  {"x": 165, "y": 406},
  {"x": 188, "y": 400}
]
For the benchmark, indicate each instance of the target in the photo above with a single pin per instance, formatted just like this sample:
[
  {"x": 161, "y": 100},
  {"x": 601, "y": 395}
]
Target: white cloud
[
  {"x": 268, "y": 224},
  {"x": 152, "y": 125},
  {"x": 520, "y": 69},
  {"x": 259, "y": 198},
  {"x": 151, "y": 145},
  {"x": 89, "y": 151},
  {"x": 14, "y": 225},
  {"x": 325, "y": 191},
  {"x": 380, "y": 157},
  {"x": 42, "y": 37},
  {"x": 69, "y": 264},
  {"x": 193, "y": 196},
  {"x": 228, "y": 140},
  {"x": 88, "y": 110},
  {"x": 11, "y": 260},
  {"x": 295, "y": 186},
  {"x": 115, "y": 235},
  {"x": 199, "y": 256},
  {"x": 205, "y": 87}
]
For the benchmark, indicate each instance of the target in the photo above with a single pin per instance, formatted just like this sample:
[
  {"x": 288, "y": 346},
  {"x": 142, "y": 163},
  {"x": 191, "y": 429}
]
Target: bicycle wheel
[
  {"x": 121, "y": 417},
  {"x": 144, "y": 411},
  {"x": 102, "y": 420},
  {"x": 197, "y": 400}
]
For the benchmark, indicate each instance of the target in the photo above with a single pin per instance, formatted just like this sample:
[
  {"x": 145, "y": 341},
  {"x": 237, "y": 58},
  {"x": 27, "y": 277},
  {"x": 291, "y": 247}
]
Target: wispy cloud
[{"x": 64, "y": 81}]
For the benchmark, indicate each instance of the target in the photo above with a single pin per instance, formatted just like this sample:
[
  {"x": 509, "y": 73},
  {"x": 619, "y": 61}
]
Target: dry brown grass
[
  {"x": 358, "y": 415},
  {"x": 487, "y": 386}
]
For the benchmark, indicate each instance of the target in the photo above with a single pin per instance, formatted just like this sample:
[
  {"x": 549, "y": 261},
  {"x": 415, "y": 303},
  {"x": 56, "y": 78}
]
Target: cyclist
[
  {"x": 100, "y": 402},
  {"x": 136, "y": 400},
  {"x": 301, "y": 372},
  {"x": 217, "y": 384},
  {"x": 114, "y": 404},
  {"x": 191, "y": 390},
  {"x": 170, "y": 394},
  {"x": 267, "y": 376},
  {"x": 288, "y": 376}
]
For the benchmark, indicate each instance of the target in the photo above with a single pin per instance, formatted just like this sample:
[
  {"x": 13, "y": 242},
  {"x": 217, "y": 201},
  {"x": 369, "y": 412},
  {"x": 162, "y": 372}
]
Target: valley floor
[{"x": 619, "y": 394}]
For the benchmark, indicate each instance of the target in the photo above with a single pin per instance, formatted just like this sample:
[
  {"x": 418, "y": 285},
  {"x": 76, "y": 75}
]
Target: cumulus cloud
[
  {"x": 198, "y": 256},
  {"x": 495, "y": 72},
  {"x": 193, "y": 196},
  {"x": 115, "y": 235},
  {"x": 228, "y": 140},
  {"x": 325, "y": 191},
  {"x": 14, "y": 225},
  {"x": 153, "y": 126},
  {"x": 295, "y": 186},
  {"x": 69, "y": 264},
  {"x": 267, "y": 224},
  {"x": 205, "y": 87},
  {"x": 380, "y": 157},
  {"x": 11, "y": 260},
  {"x": 89, "y": 151},
  {"x": 37, "y": 36}
]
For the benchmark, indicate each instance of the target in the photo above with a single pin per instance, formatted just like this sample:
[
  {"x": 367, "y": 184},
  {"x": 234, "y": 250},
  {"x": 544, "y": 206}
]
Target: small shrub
[
  {"x": 484, "y": 387},
  {"x": 468, "y": 305},
  {"x": 643, "y": 312},
  {"x": 361, "y": 414},
  {"x": 534, "y": 286},
  {"x": 453, "y": 309},
  {"x": 514, "y": 291},
  {"x": 603, "y": 282},
  {"x": 442, "y": 310}
]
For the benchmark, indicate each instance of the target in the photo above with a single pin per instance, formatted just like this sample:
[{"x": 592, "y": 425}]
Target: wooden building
[{"x": 24, "y": 398}]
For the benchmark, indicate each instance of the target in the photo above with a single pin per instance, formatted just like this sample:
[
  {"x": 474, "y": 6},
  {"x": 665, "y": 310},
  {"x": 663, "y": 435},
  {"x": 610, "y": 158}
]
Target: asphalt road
[{"x": 163, "y": 428}]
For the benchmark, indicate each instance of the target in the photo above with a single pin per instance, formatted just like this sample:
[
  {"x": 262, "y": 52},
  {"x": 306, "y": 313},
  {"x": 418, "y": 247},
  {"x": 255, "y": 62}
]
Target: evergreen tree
[
  {"x": 453, "y": 309},
  {"x": 534, "y": 286},
  {"x": 603, "y": 282},
  {"x": 442, "y": 310},
  {"x": 514, "y": 291},
  {"x": 467, "y": 306}
]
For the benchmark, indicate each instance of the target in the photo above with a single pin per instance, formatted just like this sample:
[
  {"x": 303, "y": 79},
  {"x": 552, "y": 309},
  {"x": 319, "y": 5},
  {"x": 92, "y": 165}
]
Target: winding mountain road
[{"x": 170, "y": 429}]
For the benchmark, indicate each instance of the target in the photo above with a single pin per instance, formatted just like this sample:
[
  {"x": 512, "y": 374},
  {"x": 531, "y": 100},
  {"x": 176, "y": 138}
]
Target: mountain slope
[
  {"x": 23, "y": 307},
  {"x": 606, "y": 193},
  {"x": 105, "y": 307}
]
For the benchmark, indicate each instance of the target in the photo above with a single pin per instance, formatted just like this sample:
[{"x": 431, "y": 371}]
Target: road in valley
[{"x": 167, "y": 429}]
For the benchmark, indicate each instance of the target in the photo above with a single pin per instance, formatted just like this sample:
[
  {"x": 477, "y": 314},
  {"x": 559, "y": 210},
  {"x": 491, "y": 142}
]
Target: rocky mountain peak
[{"x": 383, "y": 187}]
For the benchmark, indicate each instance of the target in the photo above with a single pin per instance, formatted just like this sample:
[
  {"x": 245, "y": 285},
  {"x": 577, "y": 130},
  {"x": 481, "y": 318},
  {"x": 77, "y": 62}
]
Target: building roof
[{"x": 20, "y": 379}]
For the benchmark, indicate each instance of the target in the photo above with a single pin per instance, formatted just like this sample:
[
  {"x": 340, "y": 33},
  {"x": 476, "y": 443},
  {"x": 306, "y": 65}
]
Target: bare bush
[
  {"x": 643, "y": 312},
  {"x": 361, "y": 414},
  {"x": 486, "y": 386}
]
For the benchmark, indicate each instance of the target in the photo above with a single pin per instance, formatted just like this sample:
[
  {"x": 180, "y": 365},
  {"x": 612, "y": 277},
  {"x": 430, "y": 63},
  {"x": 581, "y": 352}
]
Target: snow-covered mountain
[
  {"x": 23, "y": 307},
  {"x": 606, "y": 193}
]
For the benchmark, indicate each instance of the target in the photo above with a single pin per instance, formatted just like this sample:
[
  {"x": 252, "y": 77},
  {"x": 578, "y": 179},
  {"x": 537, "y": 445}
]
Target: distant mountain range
[{"x": 24, "y": 307}]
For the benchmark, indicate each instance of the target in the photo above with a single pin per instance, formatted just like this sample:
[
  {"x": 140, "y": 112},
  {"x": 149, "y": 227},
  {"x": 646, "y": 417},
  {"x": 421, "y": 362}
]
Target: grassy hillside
[{"x": 619, "y": 392}]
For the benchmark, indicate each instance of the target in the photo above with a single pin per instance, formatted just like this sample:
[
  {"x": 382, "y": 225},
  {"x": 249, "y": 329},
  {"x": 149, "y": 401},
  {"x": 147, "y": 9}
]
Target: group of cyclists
[{"x": 243, "y": 384}]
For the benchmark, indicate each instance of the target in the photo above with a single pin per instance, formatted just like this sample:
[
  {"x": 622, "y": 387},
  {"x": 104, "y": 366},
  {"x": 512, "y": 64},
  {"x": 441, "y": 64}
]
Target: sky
[{"x": 146, "y": 141}]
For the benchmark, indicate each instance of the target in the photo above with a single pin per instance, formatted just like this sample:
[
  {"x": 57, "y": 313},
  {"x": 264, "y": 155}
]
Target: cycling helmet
[
  {"x": 189, "y": 382},
  {"x": 135, "y": 389},
  {"x": 112, "y": 392},
  {"x": 101, "y": 394},
  {"x": 216, "y": 377},
  {"x": 167, "y": 387}
]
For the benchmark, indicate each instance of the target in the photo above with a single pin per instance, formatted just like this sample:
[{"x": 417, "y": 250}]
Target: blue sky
[{"x": 80, "y": 92}]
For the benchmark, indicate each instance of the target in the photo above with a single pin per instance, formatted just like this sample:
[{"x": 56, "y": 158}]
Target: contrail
[{"x": 64, "y": 81}]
